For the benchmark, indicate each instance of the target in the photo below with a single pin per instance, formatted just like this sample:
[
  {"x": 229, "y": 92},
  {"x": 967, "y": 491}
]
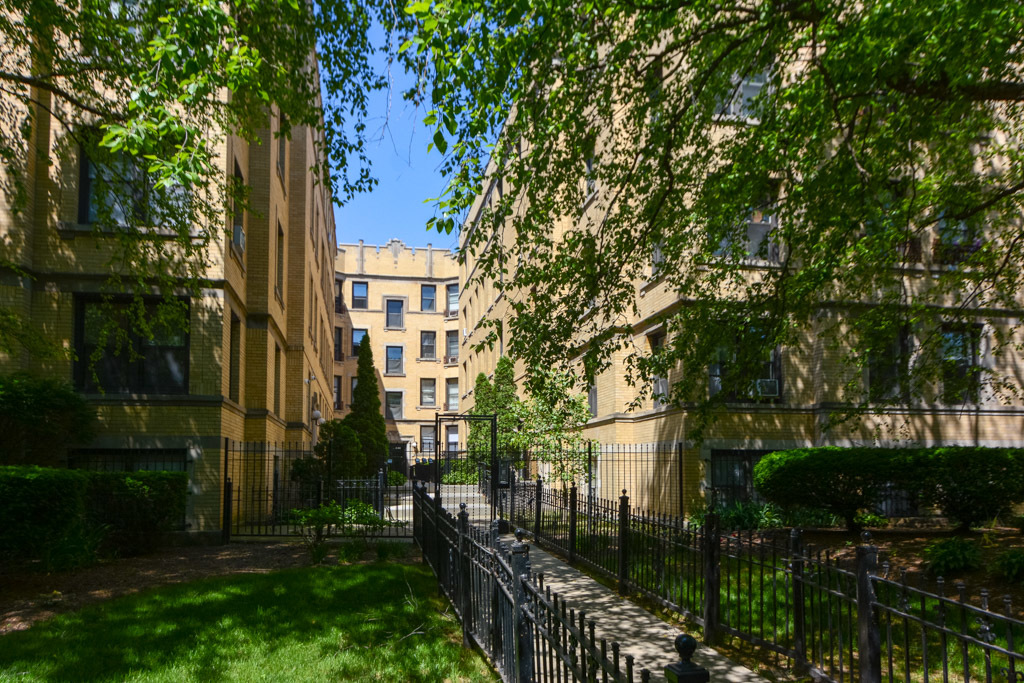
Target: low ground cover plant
[
  {"x": 952, "y": 556},
  {"x": 1009, "y": 564},
  {"x": 347, "y": 623}
]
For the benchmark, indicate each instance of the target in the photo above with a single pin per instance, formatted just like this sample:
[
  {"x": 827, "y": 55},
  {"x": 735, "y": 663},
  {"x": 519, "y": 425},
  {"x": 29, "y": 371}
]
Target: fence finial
[{"x": 685, "y": 671}]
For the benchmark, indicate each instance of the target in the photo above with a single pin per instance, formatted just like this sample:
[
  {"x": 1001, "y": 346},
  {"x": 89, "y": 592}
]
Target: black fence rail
[
  {"x": 528, "y": 632},
  {"x": 268, "y": 485},
  {"x": 840, "y": 620}
]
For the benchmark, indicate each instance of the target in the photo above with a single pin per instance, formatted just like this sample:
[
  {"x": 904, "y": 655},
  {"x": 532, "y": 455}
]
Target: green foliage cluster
[
  {"x": 461, "y": 472},
  {"x": 1009, "y": 564},
  {"x": 40, "y": 419},
  {"x": 952, "y": 556},
  {"x": 970, "y": 485},
  {"x": 320, "y": 523},
  {"x": 551, "y": 423},
  {"x": 396, "y": 478},
  {"x": 68, "y": 518},
  {"x": 752, "y": 515}
]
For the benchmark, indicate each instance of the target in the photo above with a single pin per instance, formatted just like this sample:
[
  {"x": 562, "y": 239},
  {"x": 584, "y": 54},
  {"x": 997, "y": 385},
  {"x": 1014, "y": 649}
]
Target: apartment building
[
  {"x": 406, "y": 300},
  {"x": 800, "y": 389},
  {"x": 254, "y": 363}
]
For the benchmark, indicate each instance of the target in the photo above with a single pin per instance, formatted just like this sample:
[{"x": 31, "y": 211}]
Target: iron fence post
[
  {"x": 868, "y": 638},
  {"x": 464, "y": 569},
  {"x": 225, "y": 533},
  {"x": 572, "y": 522},
  {"x": 438, "y": 545},
  {"x": 380, "y": 492},
  {"x": 796, "y": 564},
  {"x": 712, "y": 578},
  {"x": 520, "y": 561},
  {"x": 623, "y": 542},
  {"x": 536, "y": 518},
  {"x": 682, "y": 480}
]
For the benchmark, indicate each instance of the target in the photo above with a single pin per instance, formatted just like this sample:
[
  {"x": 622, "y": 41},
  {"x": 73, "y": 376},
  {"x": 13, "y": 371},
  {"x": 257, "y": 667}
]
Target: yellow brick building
[
  {"x": 802, "y": 390},
  {"x": 406, "y": 299},
  {"x": 255, "y": 361}
]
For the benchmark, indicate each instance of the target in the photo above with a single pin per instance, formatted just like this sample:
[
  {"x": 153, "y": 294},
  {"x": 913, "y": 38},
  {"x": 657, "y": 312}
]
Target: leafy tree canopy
[
  {"x": 501, "y": 399},
  {"x": 551, "y": 422},
  {"x": 861, "y": 156},
  {"x": 148, "y": 90}
]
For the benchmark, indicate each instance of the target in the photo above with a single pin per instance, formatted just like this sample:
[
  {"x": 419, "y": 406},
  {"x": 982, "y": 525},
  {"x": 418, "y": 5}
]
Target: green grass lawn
[{"x": 347, "y": 623}]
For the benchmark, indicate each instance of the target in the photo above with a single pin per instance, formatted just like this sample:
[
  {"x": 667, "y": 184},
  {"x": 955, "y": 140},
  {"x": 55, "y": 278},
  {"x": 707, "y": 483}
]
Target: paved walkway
[{"x": 638, "y": 632}]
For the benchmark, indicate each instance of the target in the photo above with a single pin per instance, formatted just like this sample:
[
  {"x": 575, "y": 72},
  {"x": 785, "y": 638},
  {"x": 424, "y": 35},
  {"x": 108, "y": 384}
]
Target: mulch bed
[{"x": 27, "y": 598}]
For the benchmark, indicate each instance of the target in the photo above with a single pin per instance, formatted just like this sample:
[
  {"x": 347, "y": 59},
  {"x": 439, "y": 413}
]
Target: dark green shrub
[
  {"x": 137, "y": 508},
  {"x": 842, "y": 481},
  {"x": 1010, "y": 565},
  {"x": 952, "y": 556},
  {"x": 42, "y": 513},
  {"x": 40, "y": 419},
  {"x": 351, "y": 551},
  {"x": 64, "y": 518},
  {"x": 396, "y": 478},
  {"x": 972, "y": 485}
]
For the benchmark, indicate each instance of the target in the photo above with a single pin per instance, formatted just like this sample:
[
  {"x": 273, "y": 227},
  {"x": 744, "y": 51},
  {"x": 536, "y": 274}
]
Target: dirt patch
[{"x": 28, "y": 598}]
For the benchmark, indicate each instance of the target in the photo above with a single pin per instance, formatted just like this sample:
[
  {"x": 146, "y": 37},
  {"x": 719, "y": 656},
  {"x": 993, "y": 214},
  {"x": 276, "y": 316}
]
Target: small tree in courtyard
[
  {"x": 551, "y": 420},
  {"x": 501, "y": 399},
  {"x": 366, "y": 418}
]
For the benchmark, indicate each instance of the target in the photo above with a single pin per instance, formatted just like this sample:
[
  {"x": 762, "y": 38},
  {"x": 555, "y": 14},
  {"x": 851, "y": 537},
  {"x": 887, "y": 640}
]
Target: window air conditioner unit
[
  {"x": 768, "y": 388},
  {"x": 451, "y": 360}
]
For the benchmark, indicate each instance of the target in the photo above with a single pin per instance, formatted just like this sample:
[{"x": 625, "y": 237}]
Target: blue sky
[{"x": 407, "y": 173}]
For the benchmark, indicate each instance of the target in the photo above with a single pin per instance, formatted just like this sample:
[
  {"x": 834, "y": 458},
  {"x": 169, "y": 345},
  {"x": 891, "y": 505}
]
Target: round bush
[
  {"x": 841, "y": 481},
  {"x": 972, "y": 485},
  {"x": 952, "y": 556}
]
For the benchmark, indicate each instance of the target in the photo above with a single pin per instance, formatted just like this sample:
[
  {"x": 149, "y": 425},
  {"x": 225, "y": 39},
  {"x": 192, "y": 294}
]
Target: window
[
  {"x": 956, "y": 242},
  {"x": 741, "y": 98},
  {"x": 337, "y": 392},
  {"x": 657, "y": 260},
  {"x": 339, "y": 350},
  {"x": 428, "y": 344},
  {"x": 453, "y": 301},
  {"x": 393, "y": 405},
  {"x": 452, "y": 434},
  {"x": 394, "y": 364},
  {"x": 961, "y": 371},
  {"x": 282, "y": 146},
  {"x": 428, "y": 386},
  {"x": 395, "y": 314},
  {"x": 428, "y": 298},
  {"x": 451, "y": 346},
  {"x": 280, "y": 261},
  {"x": 357, "y": 339},
  {"x": 758, "y": 234},
  {"x": 140, "y": 365},
  {"x": 238, "y": 213},
  {"x": 732, "y": 475},
  {"x": 428, "y": 435},
  {"x": 352, "y": 393},
  {"x": 339, "y": 304},
  {"x": 451, "y": 386},
  {"x": 360, "y": 297},
  {"x": 121, "y": 190},
  {"x": 887, "y": 364},
  {"x": 659, "y": 384},
  {"x": 234, "y": 362},
  {"x": 277, "y": 379},
  {"x": 590, "y": 180},
  {"x": 592, "y": 400},
  {"x": 766, "y": 383}
]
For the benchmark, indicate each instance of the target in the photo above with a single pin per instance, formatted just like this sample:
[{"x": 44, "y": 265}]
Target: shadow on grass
[{"x": 350, "y": 623}]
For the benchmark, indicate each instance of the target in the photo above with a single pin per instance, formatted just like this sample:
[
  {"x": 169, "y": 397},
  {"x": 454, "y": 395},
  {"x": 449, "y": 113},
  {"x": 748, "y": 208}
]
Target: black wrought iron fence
[
  {"x": 268, "y": 486},
  {"x": 528, "y": 632},
  {"x": 841, "y": 620}
]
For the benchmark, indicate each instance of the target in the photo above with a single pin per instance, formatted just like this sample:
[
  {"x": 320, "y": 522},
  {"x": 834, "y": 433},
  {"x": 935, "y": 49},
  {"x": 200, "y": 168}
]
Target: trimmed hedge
[
  {"x": 970, "y": 485},
  {"x": 63, "y": 519}
]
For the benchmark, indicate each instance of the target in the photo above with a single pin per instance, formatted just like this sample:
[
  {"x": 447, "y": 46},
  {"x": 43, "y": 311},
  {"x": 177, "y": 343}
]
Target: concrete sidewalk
[{"x": 638, "y": 632}]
